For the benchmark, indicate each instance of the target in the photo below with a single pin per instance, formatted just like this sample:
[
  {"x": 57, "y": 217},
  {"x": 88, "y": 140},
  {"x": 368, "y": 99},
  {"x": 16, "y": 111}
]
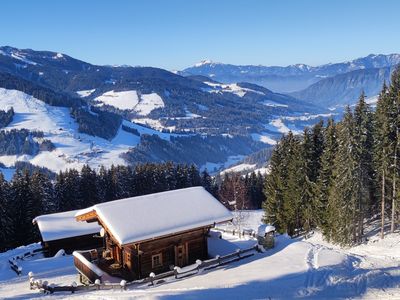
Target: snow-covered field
[
  {"x": 131, "y": 100},
  {"x": 295, "y": 268},
  {"x": 73, "y": 149},
  {"x": 230, "y": 88},
  {"x": 239, "y": 168}
]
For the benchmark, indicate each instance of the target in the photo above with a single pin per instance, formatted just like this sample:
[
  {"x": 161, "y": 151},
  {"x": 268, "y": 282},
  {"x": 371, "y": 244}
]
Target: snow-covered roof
[
  {"x": 145, "y": 217},
  {"x": 63, "y": 225},
  {"x": 265, "y": 228}
]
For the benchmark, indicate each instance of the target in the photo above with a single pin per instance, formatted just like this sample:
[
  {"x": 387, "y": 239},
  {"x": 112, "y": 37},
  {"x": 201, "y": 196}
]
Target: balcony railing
[{"x": 85, "y": 264}]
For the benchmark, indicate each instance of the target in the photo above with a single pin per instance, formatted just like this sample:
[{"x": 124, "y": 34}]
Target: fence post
[
  {"x": 73, "y": 286},
  {"x": 123, "y": 284},
  {"x": 152, "y": 275},
  {"x": 97, "y": 283},
  {"x": 198, "y": 263},
  {"x": 30, "y": 275},
  {"x": 238, "y": 252}
]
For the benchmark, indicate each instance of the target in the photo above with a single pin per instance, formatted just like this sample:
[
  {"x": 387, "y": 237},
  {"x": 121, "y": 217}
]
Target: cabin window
[{"x": 156, "y": 260}]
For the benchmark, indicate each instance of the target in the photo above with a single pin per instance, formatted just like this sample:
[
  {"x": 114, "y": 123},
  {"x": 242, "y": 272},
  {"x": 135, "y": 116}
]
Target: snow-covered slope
[
  {"x": 121, "y": 100},
  {"x": 130, "y": 100},
  {"x": 294, "y": 269},
  {"x": 73, "y": 149},
  {"x": 230, "y": 88}
]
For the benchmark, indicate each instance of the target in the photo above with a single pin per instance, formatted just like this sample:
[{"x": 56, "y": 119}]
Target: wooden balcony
[{"x": 86, "y": 264}]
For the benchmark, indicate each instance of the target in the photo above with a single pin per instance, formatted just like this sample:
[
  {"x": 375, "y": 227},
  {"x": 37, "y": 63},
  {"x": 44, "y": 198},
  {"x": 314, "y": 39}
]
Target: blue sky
[{"x": 178, "y": 33}]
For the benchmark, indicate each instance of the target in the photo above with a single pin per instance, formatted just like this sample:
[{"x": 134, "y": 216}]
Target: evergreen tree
[
  {"x": 88, "y": 187},
  {"x": 106, "y": 187},
  {"x": 363, "y": 146},
  {"x": 325, "y": 178},
  {"x": 283, "y": 186},
  {"x": 394, "y": 95},
  {"x": 5, "y": 219},
  {"x": 23, "y": 209},
  {"x": 308, "y": 173},
  {"x": 43, "y": 193},
  {"x": 383, "y": 146}
]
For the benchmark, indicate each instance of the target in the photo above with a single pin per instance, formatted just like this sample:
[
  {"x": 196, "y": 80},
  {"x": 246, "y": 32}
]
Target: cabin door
[{"x": 181, "y": 255}]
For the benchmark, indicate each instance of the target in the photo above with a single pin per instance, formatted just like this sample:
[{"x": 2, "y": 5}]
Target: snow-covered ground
[
  {"x": 73, "y": 149},
  {"x": 85, "y": 93},
  {"x": 239, "y": 168},
  {"x": 121, "y": 100},
  {"x": 295, "y": 268},
  {"x": 215, "y": 167},
  {"x": 230, "y": 88},
  {"x": 131, "y": 100},
  {"x": 263, "y": 138}
]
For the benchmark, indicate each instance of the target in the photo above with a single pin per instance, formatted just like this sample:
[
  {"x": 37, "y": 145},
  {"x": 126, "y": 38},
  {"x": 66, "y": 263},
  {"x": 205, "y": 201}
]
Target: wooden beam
[{"x": 89, "y": 216}]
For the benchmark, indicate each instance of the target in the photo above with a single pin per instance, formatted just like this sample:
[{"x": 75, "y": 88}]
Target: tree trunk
[
  {"x": 394, "y": 183},
  {"x": 393, "y": 203},
  {"x": 383, "y": 206}
]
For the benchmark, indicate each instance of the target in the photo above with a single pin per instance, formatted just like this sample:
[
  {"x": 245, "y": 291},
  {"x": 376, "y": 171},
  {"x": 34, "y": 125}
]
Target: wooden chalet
[
  {"x": 154, "y": 233},
  {"x": 61, "y": 231}
]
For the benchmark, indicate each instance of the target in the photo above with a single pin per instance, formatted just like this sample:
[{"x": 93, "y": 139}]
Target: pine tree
[
  {"x": 341, "y": 199},
  {"x": 312, "y": 150},
  {"x": 383, "y": 146},
  {"x": 88, "y": 187},
  {"x": 394, "y": 95},
  {"x": 363, "y": 146},
  {"x": 5, "y": 219},
  {"x": 325, "y": 178},
  {"x": 23, "y": 209},
  {"x": 43, "y": 193},
  {"x": 105, "y": 186},
  {"x": 283, "y": 186},
  {"x": 273, "y": 188}
]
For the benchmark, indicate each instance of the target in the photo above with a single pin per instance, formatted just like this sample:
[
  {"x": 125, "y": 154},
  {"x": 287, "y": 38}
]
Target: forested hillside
[
  {"x": 338, "y": 176},
  {"x": 35, "y": 192}
]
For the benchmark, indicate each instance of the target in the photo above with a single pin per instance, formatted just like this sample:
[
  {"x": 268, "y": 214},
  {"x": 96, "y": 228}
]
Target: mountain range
[
  {"x": 211, "y": 115},
  {"x": 329, "y": 84}
]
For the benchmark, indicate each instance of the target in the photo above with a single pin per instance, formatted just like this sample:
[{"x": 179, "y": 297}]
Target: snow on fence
[
  {"x": 153, "y": 279},
  {"x": 240, "y": 233},
  {"x": 13, "y": 261}
]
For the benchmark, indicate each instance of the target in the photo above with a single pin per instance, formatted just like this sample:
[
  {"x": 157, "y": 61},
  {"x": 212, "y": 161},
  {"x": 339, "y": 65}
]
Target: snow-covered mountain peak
[{"x": 205, "y": 62}]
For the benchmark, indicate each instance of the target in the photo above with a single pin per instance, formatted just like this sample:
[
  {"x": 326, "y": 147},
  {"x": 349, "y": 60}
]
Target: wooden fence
[
  {"x": 152, "y": 279},
  {"x": 241, "y": 233},
  {"x": 13, "y": 261}
]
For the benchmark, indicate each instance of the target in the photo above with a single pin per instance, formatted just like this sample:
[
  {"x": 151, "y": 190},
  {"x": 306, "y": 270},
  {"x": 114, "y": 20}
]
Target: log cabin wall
[
  {"x": 83, "y": 242},
  {"x": 159, "y": 255}
]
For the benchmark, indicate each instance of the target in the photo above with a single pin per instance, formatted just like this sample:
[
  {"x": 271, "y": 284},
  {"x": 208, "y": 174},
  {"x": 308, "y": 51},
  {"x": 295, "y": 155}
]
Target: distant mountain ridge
[
  {"x": 345, "y": 88},
  {"x": 289, "y": 79}
]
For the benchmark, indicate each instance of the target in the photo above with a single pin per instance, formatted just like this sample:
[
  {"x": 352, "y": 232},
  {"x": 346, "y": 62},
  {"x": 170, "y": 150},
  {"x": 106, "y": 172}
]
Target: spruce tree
[
  {"x": 394, "y": 96},
  {"x": 43, "y": 193},
  {"x": 383, "y": 147},
  {"x": 23, "y": 209},
  {"x": 5, "y": 218},
  {"x": 342, "y": 202},
  {"x": 325, "y": 178},
  {"x": 88, "y": 187},
  {"x": 363, "y": 153},
  {"x": 273, "y": 188}
]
